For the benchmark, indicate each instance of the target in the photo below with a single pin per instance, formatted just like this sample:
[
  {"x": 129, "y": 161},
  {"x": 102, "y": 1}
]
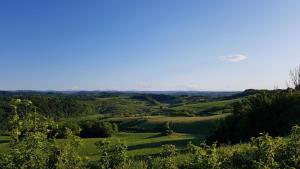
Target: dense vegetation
[
  {"x": 139, "y": 130},
  {"x": 80, "y": 104},
  {"x": 32, "y": 147},
  {"x": 272, "y": 112},
  {"x": 32, "y": 144}
]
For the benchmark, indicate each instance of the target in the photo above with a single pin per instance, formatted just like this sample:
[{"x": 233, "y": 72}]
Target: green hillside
[
  {"x": 205, "y": 108},
  {"x": 192, "y": 125}
]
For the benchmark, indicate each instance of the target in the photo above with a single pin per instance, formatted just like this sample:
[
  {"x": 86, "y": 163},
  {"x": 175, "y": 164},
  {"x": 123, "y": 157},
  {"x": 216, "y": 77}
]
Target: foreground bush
[
  {"x": 31, "y": 147},
  {"x": 111, "y": 155},
  {"x": 168, "y": 157},
  {"x": 263, "y": 152},
  {"x": 202, "y": 157}
]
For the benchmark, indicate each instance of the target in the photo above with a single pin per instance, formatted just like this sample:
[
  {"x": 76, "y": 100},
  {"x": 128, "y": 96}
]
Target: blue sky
[{"x": 148, "y": 45}]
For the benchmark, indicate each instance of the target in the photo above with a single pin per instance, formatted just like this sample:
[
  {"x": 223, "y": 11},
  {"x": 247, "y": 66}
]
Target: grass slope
[
  {"x": 191, "y": 125},
  {"x": 206, "y": 108},
  {"x": 139, "y": 144}
]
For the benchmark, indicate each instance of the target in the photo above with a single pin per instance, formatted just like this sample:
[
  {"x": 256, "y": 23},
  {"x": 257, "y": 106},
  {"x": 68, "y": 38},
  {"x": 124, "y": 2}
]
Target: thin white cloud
[{"x": 234, "y": 58}]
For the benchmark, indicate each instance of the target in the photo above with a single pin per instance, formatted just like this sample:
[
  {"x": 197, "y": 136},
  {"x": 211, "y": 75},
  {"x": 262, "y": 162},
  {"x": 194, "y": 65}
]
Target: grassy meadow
[
  {"x": 149, "y": 141},
  {"x": 206, "y": 108},
  {"x": 140, "y": 144},
  {"x": 199, "y": 125},
  {"x": 187, "y": 129}
]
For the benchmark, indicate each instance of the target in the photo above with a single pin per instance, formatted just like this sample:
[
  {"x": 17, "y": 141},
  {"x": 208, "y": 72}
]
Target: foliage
[
  {"x": 263, "y": 152},
  {"x": 203, "y": 157},
  {"x": 32, "y": 152},
  {"x": 94, "y": 129},
  {"x": 289, "y": 153},
  {"x": 63, "y": 128},
  {"x": 111, "y": 155},
  {"x": 265, "y": 148},
  {"x": 270, "y": 112},
  {"x": 33, "y": 144},
  {"x": 168, "y": 160},
  {"x": 65, "y": 154},
  {"x": 31, "y": 148}
]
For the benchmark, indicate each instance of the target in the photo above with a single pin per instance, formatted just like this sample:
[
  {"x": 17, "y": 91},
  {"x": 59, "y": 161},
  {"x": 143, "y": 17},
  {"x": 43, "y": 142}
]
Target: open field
[
  {"x": 191, "y": 125},
  {"x": 195, "y": 129},
  {"x": 139, "y": 144}
]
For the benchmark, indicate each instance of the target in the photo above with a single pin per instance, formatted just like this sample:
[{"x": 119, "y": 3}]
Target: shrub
[
  {"x": 30, "y": 146},
  {"x": 263, "y": 152},
  {"x": 203, "y": 157},
  {"x": 136, "y": 164},
  {"x": 94, "y": 129},
  {"x": 168, "y": 157},
  {"x": 62, "y": 130},
  {"x": 65, "y": 154},
  {"x": 31, "y": 153},
  {"x": 289, "y": 153},
  {"x": 265, "y": 149},
  {"x": 111, "y": 156}
]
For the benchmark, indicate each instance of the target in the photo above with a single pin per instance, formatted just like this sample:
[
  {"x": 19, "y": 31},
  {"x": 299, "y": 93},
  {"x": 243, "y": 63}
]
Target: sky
[{"x": 146, "y": 45}]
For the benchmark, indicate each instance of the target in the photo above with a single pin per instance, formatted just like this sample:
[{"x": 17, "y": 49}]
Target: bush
[
  {"x": 168, "y": 157},
  {"x": 203, "y": 157},
  {"x": 265, "y": 149},
  {"x": 95, "y": 129},
  {"x": 62, "y": 129},
  {"x": 263, "y": 152},
  {"x": 30, "y": 146},
  {"x": 65, "y": 154},
  {"x": 289, "y": 153},
  {"x": 111, "y": 156}
]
